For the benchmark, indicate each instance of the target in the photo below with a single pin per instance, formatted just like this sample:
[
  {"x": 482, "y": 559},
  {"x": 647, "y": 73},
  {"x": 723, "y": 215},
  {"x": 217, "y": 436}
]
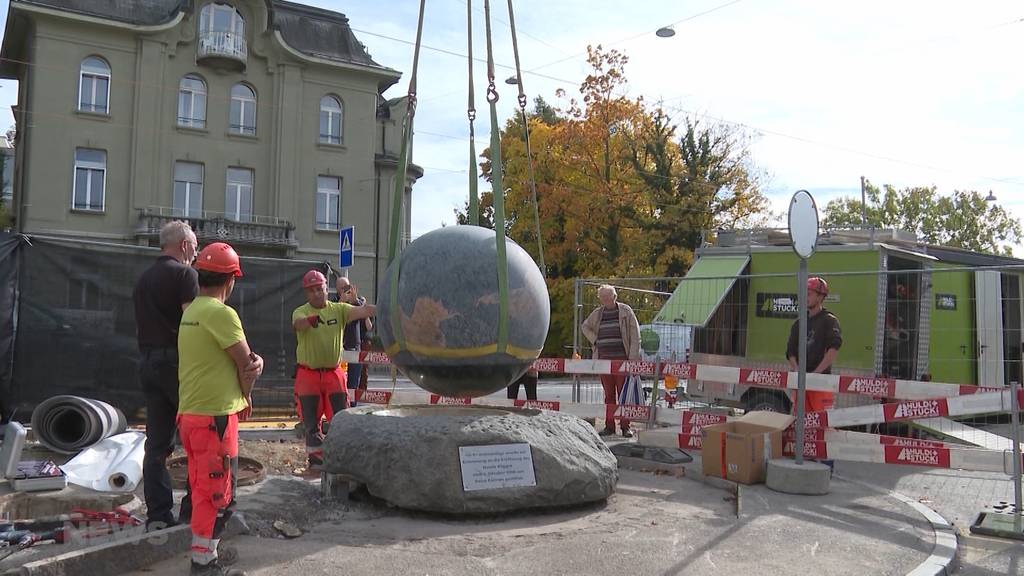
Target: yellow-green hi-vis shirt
[
  {"x": 207, "y": 376},
  {"x": 320, "y": 347}
]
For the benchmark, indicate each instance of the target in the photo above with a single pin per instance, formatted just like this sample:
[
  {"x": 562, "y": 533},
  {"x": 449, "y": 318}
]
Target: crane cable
[
  {"x": 498, "y": 192},
  {"x": 526, "y": 138},
  {"x": 399, "y": 197},
  {"x": 473, "y": 215}
]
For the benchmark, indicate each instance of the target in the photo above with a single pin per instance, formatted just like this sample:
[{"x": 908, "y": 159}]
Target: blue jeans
[{"x": 355, "y": 373}]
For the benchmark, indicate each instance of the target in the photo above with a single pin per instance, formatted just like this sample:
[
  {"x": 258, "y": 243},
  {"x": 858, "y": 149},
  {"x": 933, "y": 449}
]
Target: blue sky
[{"x": 906, "y": 93}]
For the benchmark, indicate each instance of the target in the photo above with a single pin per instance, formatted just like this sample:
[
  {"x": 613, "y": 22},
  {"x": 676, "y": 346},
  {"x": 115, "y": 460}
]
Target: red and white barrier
[
  {"x": 927, "y": 456},
  {"x": 373, "y": 396},
  {"x": 385, "y": 397},
  {"x": 825, "y": 444},
  {"x": 880, "y": 388},
  {"x": 981, "y": 403},
  {"x": 692, "y": 424}
]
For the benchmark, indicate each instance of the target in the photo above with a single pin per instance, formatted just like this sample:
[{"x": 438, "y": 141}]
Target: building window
[
  {"x": 330, "y": 120},
  {"x": 90, "y": 179},
  {"x": 94, "y": 86},
  {"x": 192, "y": 102},
  {"x": 243, "y": 110},
  {"x": 221, "y": 18},
  {"x": 238, "y": 199},
  {"x": 328, "y": 203},
  {"x": 188, "y": 189}
]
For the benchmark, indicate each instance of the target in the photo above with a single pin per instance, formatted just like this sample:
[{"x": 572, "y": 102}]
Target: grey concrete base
[
  {"x": 127, "y": 553},
  {"x": 336, "y": 487},
  {"x": 788, "y": 477},
  {"x": 410, "y": 456}
]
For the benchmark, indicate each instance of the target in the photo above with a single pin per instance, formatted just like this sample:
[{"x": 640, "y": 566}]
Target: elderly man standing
[
  {"x": 161, "y": 293},
  {"x": 614, "y": 333}
]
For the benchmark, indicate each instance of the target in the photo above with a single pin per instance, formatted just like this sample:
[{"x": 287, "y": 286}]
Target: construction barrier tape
[{"x": 878, "y": 388}]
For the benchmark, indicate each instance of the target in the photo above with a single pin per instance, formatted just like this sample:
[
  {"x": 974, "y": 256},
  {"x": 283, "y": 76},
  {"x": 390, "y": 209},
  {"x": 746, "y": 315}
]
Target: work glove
[{"x": 313, "y": 320}]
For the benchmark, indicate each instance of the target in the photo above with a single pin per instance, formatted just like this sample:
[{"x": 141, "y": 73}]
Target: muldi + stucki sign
[{"x": 774, "y": 305}]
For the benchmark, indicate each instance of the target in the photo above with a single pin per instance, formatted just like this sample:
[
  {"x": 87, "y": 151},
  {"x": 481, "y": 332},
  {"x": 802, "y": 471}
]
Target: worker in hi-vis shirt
[{"x": 319, "y": 379}]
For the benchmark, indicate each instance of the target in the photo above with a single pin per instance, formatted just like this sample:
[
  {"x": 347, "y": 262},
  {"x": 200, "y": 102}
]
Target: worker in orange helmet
[
  {"x": 319, "y": 380},
  {"x": 217, "y": 372},
  {"x": 824, "y": 338}
]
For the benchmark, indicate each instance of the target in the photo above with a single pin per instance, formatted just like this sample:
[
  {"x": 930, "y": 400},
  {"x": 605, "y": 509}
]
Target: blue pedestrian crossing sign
[{"x": 346, "y": 242}]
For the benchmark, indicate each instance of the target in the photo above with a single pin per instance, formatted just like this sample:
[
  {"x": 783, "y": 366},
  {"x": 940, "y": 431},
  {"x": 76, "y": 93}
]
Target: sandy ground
[{"x": 651, "y": 525}]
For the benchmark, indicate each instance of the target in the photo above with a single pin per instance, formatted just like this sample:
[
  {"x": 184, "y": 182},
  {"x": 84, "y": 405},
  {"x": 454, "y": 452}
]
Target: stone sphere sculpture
[{"x": 448, "y": 312}]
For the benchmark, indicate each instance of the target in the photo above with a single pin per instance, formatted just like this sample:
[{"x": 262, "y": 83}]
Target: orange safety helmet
[
  {"x": 313, "y": 278},
  {"x": 818, "y": 284},
  {"x": 219, "y": 257}
]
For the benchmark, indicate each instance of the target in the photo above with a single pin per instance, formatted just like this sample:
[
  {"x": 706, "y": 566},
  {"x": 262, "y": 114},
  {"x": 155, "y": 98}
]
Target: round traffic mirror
[{"x": 803, "y": 224}]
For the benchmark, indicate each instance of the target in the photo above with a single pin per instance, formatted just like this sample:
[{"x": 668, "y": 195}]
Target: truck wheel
[{"x": 770, "y": 400}]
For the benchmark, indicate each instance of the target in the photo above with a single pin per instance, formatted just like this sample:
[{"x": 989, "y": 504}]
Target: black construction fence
[{"x": 67, "y": 323}]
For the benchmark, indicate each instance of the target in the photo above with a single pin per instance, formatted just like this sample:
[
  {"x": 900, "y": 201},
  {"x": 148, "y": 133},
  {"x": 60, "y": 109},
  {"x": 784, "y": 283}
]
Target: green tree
[
  {"x": 704, "y": 181},
  {"x": 961, "y": 220}
]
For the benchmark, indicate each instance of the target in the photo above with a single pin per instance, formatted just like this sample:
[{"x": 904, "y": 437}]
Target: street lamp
[
  {"x": 665, "y": 32},
  {"x": 512, "y": 80}
]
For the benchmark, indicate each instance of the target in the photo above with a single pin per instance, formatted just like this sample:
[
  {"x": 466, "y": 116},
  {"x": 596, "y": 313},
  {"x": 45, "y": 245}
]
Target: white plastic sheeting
[{"x": 112, "y": 465}]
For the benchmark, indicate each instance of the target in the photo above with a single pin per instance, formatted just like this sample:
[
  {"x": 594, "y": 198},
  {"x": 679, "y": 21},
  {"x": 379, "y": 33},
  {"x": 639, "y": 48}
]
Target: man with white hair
[
  {"x": 614, "y": 333},
  {"x": 161, "y": 294}
]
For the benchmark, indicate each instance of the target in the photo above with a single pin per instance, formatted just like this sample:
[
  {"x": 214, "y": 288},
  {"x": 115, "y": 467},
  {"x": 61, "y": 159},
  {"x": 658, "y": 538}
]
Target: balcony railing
[
  {"x": 223, "y": 45},
  {"x": 262, "y": 231}
]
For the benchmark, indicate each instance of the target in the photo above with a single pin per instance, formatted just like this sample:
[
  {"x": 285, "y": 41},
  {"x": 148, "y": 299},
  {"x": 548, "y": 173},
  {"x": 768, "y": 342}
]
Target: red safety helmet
[
  {"x": 219, "y": 257},
  {"x": 818, "y": 284},
  {"x": 313, "y": 278}
]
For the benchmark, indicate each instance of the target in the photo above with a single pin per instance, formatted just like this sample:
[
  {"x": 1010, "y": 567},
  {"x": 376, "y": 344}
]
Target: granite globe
[{"x": 440, "y": 322}]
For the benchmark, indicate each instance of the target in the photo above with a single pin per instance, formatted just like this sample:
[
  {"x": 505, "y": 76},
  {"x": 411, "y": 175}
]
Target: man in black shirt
[
  {"x": 824, "y": 338},
  {"x": 354, "y": 333},
  {"x": 163, "y": 291}
]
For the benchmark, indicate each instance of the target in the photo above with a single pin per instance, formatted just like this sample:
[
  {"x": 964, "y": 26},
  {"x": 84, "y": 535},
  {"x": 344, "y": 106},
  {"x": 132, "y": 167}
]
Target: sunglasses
[{"x": 346, "y": 289}]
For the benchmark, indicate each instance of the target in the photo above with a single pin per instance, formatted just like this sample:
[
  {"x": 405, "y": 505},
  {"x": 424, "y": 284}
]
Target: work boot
[
  {"x": 627, "y": 433},
  {"x": 213, "y": 569},
  {"x": 316, "y": 462},
  {"x": 607, "y": 432},
  {"x": 154, "y": 524}
]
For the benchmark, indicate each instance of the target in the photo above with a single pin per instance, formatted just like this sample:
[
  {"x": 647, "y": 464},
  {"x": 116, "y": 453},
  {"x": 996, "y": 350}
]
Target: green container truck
[{"x": 908, "y": 310}]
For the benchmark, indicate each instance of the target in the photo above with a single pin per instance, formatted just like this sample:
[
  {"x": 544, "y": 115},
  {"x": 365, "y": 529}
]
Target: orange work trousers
[{"x": 211, "y": 445}]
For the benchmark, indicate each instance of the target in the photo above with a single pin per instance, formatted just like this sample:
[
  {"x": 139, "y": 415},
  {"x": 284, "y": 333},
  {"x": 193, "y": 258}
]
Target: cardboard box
[{"x": 739, "y": 450}]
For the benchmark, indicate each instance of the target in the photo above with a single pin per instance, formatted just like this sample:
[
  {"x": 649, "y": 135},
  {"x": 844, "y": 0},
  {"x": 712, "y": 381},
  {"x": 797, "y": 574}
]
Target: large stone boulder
[
  {"x": 440, "y": 323},
  {"x": 410, "y": 457}
]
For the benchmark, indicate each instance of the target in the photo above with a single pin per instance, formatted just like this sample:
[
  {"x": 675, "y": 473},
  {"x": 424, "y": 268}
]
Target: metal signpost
[
  {"x": 1016, "y": 470},
  {"x": 803, "y": 235},
  {"x": 346, "y": 246}
]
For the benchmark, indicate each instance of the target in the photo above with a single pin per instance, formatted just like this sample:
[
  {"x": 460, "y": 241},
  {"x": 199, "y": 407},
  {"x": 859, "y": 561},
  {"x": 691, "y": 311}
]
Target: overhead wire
[
  {"x": 640, "y": 35},
  {"x": 210, "y": 97}
]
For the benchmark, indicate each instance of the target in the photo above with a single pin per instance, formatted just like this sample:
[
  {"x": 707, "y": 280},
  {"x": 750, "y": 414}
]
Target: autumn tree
[
  {"x": 620, "y": 192},
  {"x": 962, "y": 220}
]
